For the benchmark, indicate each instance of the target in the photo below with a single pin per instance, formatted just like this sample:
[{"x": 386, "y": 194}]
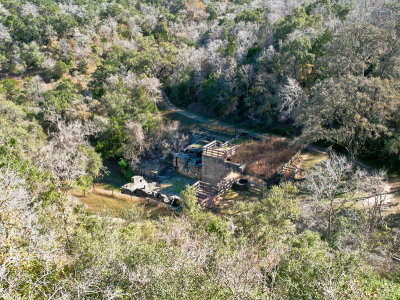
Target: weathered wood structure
[{"x": 209, "y": 194}]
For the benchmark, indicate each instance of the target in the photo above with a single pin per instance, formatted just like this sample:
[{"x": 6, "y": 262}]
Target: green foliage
[
  {"x": 320, "y": 42},
  {"x": 85, "y": 182},
  {"x": 152, "y": 59},
  {"x": 10, "y": 88},
  {"x": 94, "y": 162},
  {"x": 125, "y": 168},
  {"x": 251, "y": 15},
  {"x": 189, "y": 201},
  {"x": 61, "y": 99},
  {"x": 60, "y": 69},
  {"x": 183, "y": 90},
  {"x": 109, "y": 142},
  {"x": 252, "y": 54},
  {"x": 298, "y": 20},
  {"x": 161, "y": 31},
  {"x": 116, "y": 54},
  {"x": 339, "y": 10},
  {"x": 214, "y": 225},
  {"x": 24, "y": 30},
  {"x": 232, "y": 46},
  {"x": 32, "y": 56},
  {"x": 63, "y": 24},
  {"x": 272, "y": 218},
  {"x": 241, "y": 2},
  {"x": 310, "y": 267},
  {"x": 27, "y": 137},
  {"x": 212, "y": 11}
]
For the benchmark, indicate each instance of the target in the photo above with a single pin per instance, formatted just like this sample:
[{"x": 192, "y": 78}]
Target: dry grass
[
  {"x": 230, "y": 198},
  {"x": 310, "y": 159},
  {"x": 100, "y": 201},
  {"x": 264, "y": 158}
]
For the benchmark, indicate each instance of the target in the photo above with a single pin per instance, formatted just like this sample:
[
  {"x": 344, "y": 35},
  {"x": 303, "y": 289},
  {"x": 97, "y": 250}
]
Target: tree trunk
[
  {"x": 330, "y": 217},
  {"x": 351, "y": 152}
]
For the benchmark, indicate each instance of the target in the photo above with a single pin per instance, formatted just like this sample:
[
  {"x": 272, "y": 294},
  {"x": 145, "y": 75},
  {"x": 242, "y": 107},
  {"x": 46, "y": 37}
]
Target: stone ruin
[
  {"x": 141, "y": 188},
  {"x": 209, "y": 162}
]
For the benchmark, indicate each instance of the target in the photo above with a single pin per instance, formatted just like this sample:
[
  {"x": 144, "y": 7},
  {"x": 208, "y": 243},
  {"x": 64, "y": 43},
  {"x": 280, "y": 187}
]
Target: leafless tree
[
  {"x": 153, "y": 88},
  {"x": 332, "y": 186},
  {"x": 35, "y": 88},
  {"x": 14, "y": 201},
  {"x": 23, "y": 240},
  {"x": 4, "y": 33},
  {"x": 50, "y": 34},
  {"x": 247, "y": 76},
  {"x": 291, "y": 95},
  {"x": 376, "y": 188},
  {"x": 136, "y": 143},
  {"x": 67, "y": 157},
  {"x": 29, "y": 9},
  {"x": 63, "y": 155}
]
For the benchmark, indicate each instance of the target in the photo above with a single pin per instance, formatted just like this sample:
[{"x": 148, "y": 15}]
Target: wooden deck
[{"x": 219, "y": 149}]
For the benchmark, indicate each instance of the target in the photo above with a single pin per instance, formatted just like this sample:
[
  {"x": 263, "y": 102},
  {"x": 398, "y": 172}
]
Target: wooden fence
[
  {"x": 205, "y": 189},
  {"x": 287, "y": 166},
  {"x": 216, "y": 149},
  {"x": 257, "y": 187},
  {"x": 225, "y": 186},
  {"x": 230, "y": 141}
]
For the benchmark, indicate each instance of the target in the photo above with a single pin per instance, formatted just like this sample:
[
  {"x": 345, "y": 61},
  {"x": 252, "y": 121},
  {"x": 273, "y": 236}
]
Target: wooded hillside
[{"x": 81, "y": 82}]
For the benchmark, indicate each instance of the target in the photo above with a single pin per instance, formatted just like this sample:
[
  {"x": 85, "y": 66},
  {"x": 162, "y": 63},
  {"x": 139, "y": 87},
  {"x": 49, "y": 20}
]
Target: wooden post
[{"x": 112, "y": 193}]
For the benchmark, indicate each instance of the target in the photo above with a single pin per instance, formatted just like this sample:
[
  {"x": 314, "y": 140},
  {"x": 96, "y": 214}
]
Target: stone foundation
[
  {"x": 215, "y": 169},
  {"x": 187, "y": 167}
]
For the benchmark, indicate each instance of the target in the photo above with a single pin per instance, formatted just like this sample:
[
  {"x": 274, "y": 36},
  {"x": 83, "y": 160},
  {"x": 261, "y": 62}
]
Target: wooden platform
[{"x": 209, "y": 195}]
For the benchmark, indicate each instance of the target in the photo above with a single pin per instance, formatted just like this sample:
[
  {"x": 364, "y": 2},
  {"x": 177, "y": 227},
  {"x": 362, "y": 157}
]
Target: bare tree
[
  {"x": 68, "y": 156},
  {"x": 247, "y": 76},
  {"x": 291, "y": 96},
  {"x": 136, "y": 143},
  {"x": 332, "y": 186},
  {"x": 376, "y": 188},
  {"x": 4, "y": 33},
  {"x": 14, "y": 201},
  {"x": 35, "y": 88},
  {"x": 29, "y": 9},
  {"x": 152, "y": 86},
  {"x": 63, "y": 155}
]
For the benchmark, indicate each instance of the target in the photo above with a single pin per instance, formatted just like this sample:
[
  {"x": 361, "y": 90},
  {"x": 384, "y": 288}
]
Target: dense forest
[{"x": 81, "y": 82}]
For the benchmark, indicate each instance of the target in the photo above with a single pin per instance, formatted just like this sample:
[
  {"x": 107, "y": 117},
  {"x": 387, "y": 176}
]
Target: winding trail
[{"x": 212, "y": 122}]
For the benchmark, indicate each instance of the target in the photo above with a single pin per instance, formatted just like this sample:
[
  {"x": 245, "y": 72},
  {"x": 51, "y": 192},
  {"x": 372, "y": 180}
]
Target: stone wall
[
  {"x": 187, "y": 168},
  {"x": 215, "y": 169},
  {"x": 149, "y": 174}
]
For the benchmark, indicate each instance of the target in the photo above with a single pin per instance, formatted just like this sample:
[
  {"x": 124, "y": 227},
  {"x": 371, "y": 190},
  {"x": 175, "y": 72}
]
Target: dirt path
[{"x": 212, "y": 122}]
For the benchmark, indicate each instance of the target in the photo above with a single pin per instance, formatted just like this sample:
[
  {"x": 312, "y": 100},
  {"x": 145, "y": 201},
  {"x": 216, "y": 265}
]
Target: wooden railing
[
  {"x": 286, "y": 166},
  {"x": 257, "y": 187},
  {"x": 225, "y": 186},
  {"x": 216, "y": 149},
  {"x": 205, "y": 189},
  {"x": 230, "y": 141}
]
